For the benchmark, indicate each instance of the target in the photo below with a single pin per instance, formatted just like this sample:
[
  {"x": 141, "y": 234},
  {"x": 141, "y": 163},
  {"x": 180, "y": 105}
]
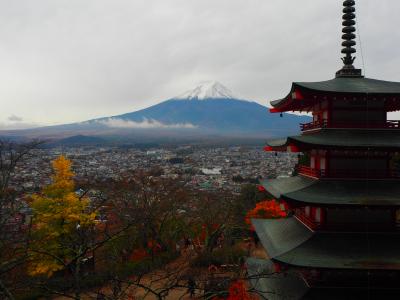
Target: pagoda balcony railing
[
  {"x": 314, "y": 125},
  {"x": 389, "y": 124},
  {"x": 308, "y": 171},
  {"x": 344, "y": 226},
  {"x": 371, "y": 174},
  {"x": 301, "y": 216}
]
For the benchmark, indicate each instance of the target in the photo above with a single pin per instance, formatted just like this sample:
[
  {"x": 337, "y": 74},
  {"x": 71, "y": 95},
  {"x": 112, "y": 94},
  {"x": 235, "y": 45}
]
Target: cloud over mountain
[
  {"x": 14, "y": 118},
  {"x": 15, "y": 122},
  {"x": 145, "y": 124}
]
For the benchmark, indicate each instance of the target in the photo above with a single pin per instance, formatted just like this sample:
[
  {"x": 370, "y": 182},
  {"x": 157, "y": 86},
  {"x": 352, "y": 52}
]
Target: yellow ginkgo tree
[{"x": 61, "y": 222}]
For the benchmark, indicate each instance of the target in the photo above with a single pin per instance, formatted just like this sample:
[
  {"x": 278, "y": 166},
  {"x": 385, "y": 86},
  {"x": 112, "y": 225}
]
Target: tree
[
  {"x": 154, "y": 206},
  {"x": 12, "y": 236},
  {"x": 149, "y": 212},
  {"x": 62, "y": 225},
  {"x": 269, "y": 209},
  {"x": 249, "y": 196},
  {"x": 139, "y": 215},
  {"x": 238, "y": 291}
]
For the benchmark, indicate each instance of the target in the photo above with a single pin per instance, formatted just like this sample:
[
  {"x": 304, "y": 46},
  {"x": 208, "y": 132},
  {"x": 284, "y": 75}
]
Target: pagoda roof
[
  {"x": 335, "y": 192},
  {"x": 353, "y": 138},
  {"x": 352, "y": 85},
  {"x": 329, "y": 250},
  {"x": 355, "y": 86}
]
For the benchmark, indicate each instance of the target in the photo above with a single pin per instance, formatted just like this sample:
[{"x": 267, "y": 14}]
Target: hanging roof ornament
[{"x": 349, "y": 42}]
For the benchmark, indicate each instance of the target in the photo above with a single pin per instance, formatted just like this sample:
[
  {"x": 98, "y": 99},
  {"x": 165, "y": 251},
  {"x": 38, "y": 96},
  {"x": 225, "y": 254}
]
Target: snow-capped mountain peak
[{"x": 208, "y": 90}]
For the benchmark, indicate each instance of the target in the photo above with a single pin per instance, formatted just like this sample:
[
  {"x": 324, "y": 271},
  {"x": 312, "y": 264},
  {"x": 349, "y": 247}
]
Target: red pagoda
[{"x": 341, "y": 237}]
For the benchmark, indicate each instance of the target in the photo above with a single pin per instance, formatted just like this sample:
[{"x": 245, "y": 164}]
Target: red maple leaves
[
  {"x": 269, "y": 209},
  {"x": 238, "y": 291}
]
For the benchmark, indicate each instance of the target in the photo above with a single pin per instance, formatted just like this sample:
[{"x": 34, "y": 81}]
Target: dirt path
[
  {"x": 173, "y": 275},
  {"x": 158, "y": 280},
  {"x": 170, "y": 276}
]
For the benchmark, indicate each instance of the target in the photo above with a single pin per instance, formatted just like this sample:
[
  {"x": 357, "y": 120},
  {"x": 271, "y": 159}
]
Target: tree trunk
[{"x": 77, "y": 282}]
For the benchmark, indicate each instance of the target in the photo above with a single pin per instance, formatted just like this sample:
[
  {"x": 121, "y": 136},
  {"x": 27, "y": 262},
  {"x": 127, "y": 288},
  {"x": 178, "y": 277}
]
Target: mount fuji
[
  {"x": 208, "y": 90},
  {"x": 209, "y": 109}
]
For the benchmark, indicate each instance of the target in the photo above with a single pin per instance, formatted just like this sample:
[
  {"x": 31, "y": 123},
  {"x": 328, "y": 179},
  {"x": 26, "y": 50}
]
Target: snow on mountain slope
[{"x": 208, "y": 90}]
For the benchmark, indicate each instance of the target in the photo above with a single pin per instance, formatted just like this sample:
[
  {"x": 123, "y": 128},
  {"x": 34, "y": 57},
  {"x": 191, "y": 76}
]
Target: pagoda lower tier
[
  {"x": 303, "y": 190},
  {"x": 306, "y": 264}
]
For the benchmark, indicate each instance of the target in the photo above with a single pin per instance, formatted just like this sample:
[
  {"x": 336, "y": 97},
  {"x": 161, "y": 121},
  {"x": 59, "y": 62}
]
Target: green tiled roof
[
  {"x": 358, "y": 138},
  {"x": 336, "y": 192},
  {"x": 357, "y": 85},
  {"x": 286, "y": 233},
  {"x": 331, "y": 250}
]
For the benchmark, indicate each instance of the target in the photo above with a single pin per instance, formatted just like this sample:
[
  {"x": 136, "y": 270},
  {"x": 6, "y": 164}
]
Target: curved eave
[
  {"x": 335, "y": 192},
  {"x": 294, "y": 101},
  {"x": 288, "y": 241},
  {"x": 276, "y": 103},
  {"x": 277, "y": 144},
  {"x": 278, "y": 236},
  {"x": 351, "y": 138}
]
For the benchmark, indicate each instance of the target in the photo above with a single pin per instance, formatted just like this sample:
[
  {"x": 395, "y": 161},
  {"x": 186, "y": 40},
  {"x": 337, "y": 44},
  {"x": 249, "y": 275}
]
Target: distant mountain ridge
[
  {"x": 78, "y": 140},
  {"x": 223, "y": 116},
  {"x": 210, "y": 109}
]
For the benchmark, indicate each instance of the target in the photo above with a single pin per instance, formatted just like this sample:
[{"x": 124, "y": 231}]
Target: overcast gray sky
[{"x": 72, "y": 60}]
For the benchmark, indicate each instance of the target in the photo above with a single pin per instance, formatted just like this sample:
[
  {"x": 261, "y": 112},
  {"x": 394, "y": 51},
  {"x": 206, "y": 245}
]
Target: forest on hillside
[{"x": 140, "y": 237}]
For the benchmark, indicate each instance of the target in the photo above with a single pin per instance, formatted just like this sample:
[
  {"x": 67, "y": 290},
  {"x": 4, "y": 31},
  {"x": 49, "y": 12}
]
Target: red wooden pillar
[
  {"x": 329, "y": 121},
  {"x": 328, "y": 164}
]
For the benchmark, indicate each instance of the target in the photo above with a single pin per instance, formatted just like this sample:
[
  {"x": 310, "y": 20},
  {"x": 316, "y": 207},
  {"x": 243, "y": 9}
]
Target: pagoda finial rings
[
  {"x": 349, "y": 16},
  {"x": 349, "y": 9},
  {"x": 349, "y": 43},
  {"x": 348, "y": 36},
  {"x": 349, "y": 3},
  {"x": 349, "y": 23},
  {"x": 348, "y": 50},
  {"x": 349, "y": 29}
]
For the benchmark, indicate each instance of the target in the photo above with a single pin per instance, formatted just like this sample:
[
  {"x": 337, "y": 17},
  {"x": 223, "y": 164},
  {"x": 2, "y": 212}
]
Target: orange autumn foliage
[
  {"x": 269, "y": 209},
  {"x": 238, "y": 291}
]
